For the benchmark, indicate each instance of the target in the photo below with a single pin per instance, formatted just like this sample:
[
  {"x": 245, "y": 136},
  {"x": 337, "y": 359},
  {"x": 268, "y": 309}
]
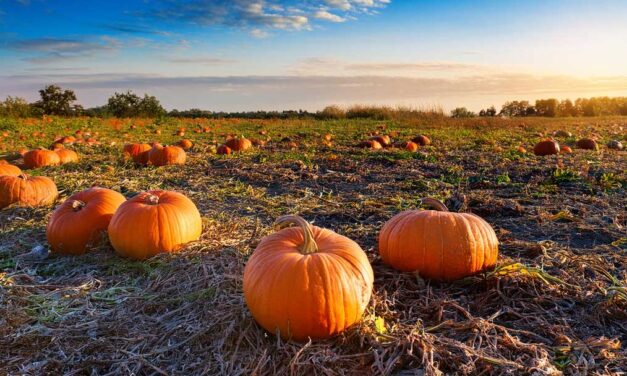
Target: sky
[{"x": 241, "y": 55}]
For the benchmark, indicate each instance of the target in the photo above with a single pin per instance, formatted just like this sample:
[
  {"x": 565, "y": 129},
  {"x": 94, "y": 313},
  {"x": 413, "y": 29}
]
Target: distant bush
[
  {"x": 331, "y": 113},
  {"x": 462, "y": 112},
  {"x": 130, "y": 104},
  {"x": 15, "y": 107}
]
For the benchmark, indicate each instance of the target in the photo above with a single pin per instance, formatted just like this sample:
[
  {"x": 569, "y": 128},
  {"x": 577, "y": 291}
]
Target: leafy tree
[
  {"x": 462, "y": 112},
  {"x": 56, "y": 101},
  {"x": 566, "y": 108},
  {"x": 490, "y": 111},
  {"x": 547, "y": 107},
  {"x": 15, "y": 107},
  {"x": 130, "y": 104},
  {"x": 517, "y": 108}
]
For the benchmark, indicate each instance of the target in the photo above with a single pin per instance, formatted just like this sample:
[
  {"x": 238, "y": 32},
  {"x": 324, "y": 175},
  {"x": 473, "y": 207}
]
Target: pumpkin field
[{"x": 415, "y": 246}]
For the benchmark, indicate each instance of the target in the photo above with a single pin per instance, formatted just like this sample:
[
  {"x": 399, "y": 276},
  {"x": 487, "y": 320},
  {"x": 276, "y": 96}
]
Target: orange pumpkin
[
  {"x": 40, "y": 158},
  {"x": 185, "y": 144},
  {"x": 224, "y": 150},
  {"x": 67, "y": 156},
  {"x": 422, "y": 140},
  {"x": 239, "y": 144},
  {"x": 154, "y": 222},
  {"x": 78, "y": 223},
  {"x": 566, "y": 150},
  {"x": 411, "y": 146},
  {"x": 438, "y": 244},
  {"x": 27, "y": 191},
  {"x": 138, "y": 152},
  {"x": 521, "y": 149},
  {"x": 7, "y": 169},
  {"x": 382, "y": 139},
  {"x": 587, "y": 144},
  {"x": 370, "y": 144},
  {"x": 307, "y": 282},
  {"x": 546, "y": 147},
  {"x": 165, "y": 156}
]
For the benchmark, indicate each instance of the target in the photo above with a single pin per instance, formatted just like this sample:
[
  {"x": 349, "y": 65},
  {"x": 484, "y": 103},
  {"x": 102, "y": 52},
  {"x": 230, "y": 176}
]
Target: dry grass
[{"x": 555, "y": 303}]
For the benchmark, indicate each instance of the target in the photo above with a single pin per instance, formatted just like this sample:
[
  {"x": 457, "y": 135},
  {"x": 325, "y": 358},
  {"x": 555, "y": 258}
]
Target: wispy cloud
[
  {"x": 207, "y": 60},
  {"x": 48, "y": 50}
]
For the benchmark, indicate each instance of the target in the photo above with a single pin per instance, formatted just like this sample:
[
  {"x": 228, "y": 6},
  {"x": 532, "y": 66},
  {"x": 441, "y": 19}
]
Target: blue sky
[{"x": 253, "y": 54}]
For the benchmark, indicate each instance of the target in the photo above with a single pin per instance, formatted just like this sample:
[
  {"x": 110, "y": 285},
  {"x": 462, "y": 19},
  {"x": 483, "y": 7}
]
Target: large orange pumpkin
[
  {"x": 438, "y": 244},
  {"x": 40, "y": 158},
  {"x": 546, "y": 147},
  {"x": 78, "y": 223},
  {"x": 165, "y": 156},
  {"x": 27, "y": 191},
  {"x": 9, "y": 169},
  {"x": 137, "y": 152},
  {"x": 307, "y": 282},
  {"x": 67, "y": 156},
  {"x": 154, "y": 222},
  {"x": 239, "y": 144}
]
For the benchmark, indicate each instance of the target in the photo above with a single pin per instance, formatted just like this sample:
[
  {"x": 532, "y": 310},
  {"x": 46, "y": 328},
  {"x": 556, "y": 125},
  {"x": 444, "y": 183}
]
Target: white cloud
[{"x": 327, "y": 16}]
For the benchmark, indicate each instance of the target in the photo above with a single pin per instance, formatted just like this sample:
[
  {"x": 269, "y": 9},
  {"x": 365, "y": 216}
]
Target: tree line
[{"x": 55, "y": 100}]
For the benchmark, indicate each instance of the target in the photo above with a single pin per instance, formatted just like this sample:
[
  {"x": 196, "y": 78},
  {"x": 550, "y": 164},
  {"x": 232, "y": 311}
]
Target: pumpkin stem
[
  {"x": 309, "y": 246},
  {"x": 433, "y": 203},
  {"x": 152, "y": 200},
  {"x": 77, "y": 205}
]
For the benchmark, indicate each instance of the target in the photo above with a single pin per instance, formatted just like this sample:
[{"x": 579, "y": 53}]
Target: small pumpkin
[
  {"x": 422, "y": 140},
  {"x": 78, "y": 223},
  {"x": 382, "y": 139},
  {"x": 185, "y": 144},
  {"x": 224, "y": 150},
  {"x": 615, "y": 144},
  {"x": 370, "y": 144},
  {"x": 438, "y": 244},
  {"x": 566, "y": 150},
  {"x": 7, "y": 169},
  {"x": 239, "y": 144},
  {"x": 27, "y": 191},
  {"x": 326, "y": 276},
  {"x": 546, "y": 147},
  {"x": 67, "y": 156},
  {"x": 411, "y": 146},
  {"x": 562, "y": 133},
  {"x": 587, "y": 144},
  {"x": 154, "y": 222},
  {"x": 521, "y": 149},
  {"x": 41, "y": 158},
  {"x": 165, "y": 156}
]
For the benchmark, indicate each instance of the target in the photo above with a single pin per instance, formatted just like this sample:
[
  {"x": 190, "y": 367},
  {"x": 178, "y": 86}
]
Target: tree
[
  {"x": 56, "y": 101},
  {"x": 566, "y": 108},
  {"x": 130, "y": 104},
  {"x": 546, "y": 107},
  {"x": 462, "y": 112},
  {"x": 15, "y": 107},
  {"x": 490, "y": 111},
  {"x": 517, "y": 108}
]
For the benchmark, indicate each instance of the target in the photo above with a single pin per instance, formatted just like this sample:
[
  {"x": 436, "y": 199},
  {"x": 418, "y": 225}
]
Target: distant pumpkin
[
  {"x": 27, "y": 191},
  {"x": 168, "y": 221},
  {"x": 239, "y": 144},
  {"x": 562, "y": 133},
  {"x": 224, "y": 150},
  {"x": 41, "y": 158},
  {"x": 546, "y": 147},
  {"x": 137, "y": 152},
  {"x": 78, "y": 223},
  {"x": 422, "y": 140},
  {"x": 411, "y": 146},
  {"x": 615, "y": 144},
  {"x": 165, "y": 156},
  {"x": 587, "y": 144},
  {"x": 566, "y": 150},
  {"x": 382, "y": 139},
  {"x": 370, "y": 144},
  {"x": 185, "y": 144}
]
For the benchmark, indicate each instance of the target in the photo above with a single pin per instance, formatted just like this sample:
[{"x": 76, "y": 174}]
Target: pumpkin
[
  {"x": 7, "y": 169},
  {"x": 411, "y": 146},
  {"x": 223, "y": 149},
  {"x": 27, "y": 191},
  {"x": 562, "y": 133},
  {"x": 615, "y": 144},
  {"x": 382, "y": 139},
  {"x": 238, "y": 144},
  {"x": 67, "y": 156},
  {"x": 370, "y": 144},
  {"x": 587, "y": 144},
  {"x": 307, "y": 282},
  {"x": 521, "y": 149},
  {"x": 546, "y": 147},
  {"x": 138, "y": 152},
  {"x": 185, "y": 144},
  {"x": 566, "y": 150},
  {"x": 40, "y": 158},
  {"x": 165, "y": 156},
  {"x": 438, "y": 244},
  {"x": 422, "y": 140},
  {"x": 154, "y": 222},
  {"x": 78, "y": 223}
]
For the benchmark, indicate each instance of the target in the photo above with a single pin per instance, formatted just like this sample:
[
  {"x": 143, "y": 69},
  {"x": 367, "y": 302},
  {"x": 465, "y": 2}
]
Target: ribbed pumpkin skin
[
  {"x": 79, "y": 222},
  {"x": 67, "y": 156},
  {"x": 141, "y": 228},
  {"x": 439, "y": 245},
  {"x": 164, "y": 156},
  {"x": 239, "y": 144},
  {"x": 27, "y": 191},
  {"x": 138, "y": 152},
  {"x": 307, "y": 295},
  {"x": 546, "y": 147},
  {"x": 9, "y": 170},
  {"x": 41, "y": 158}
]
